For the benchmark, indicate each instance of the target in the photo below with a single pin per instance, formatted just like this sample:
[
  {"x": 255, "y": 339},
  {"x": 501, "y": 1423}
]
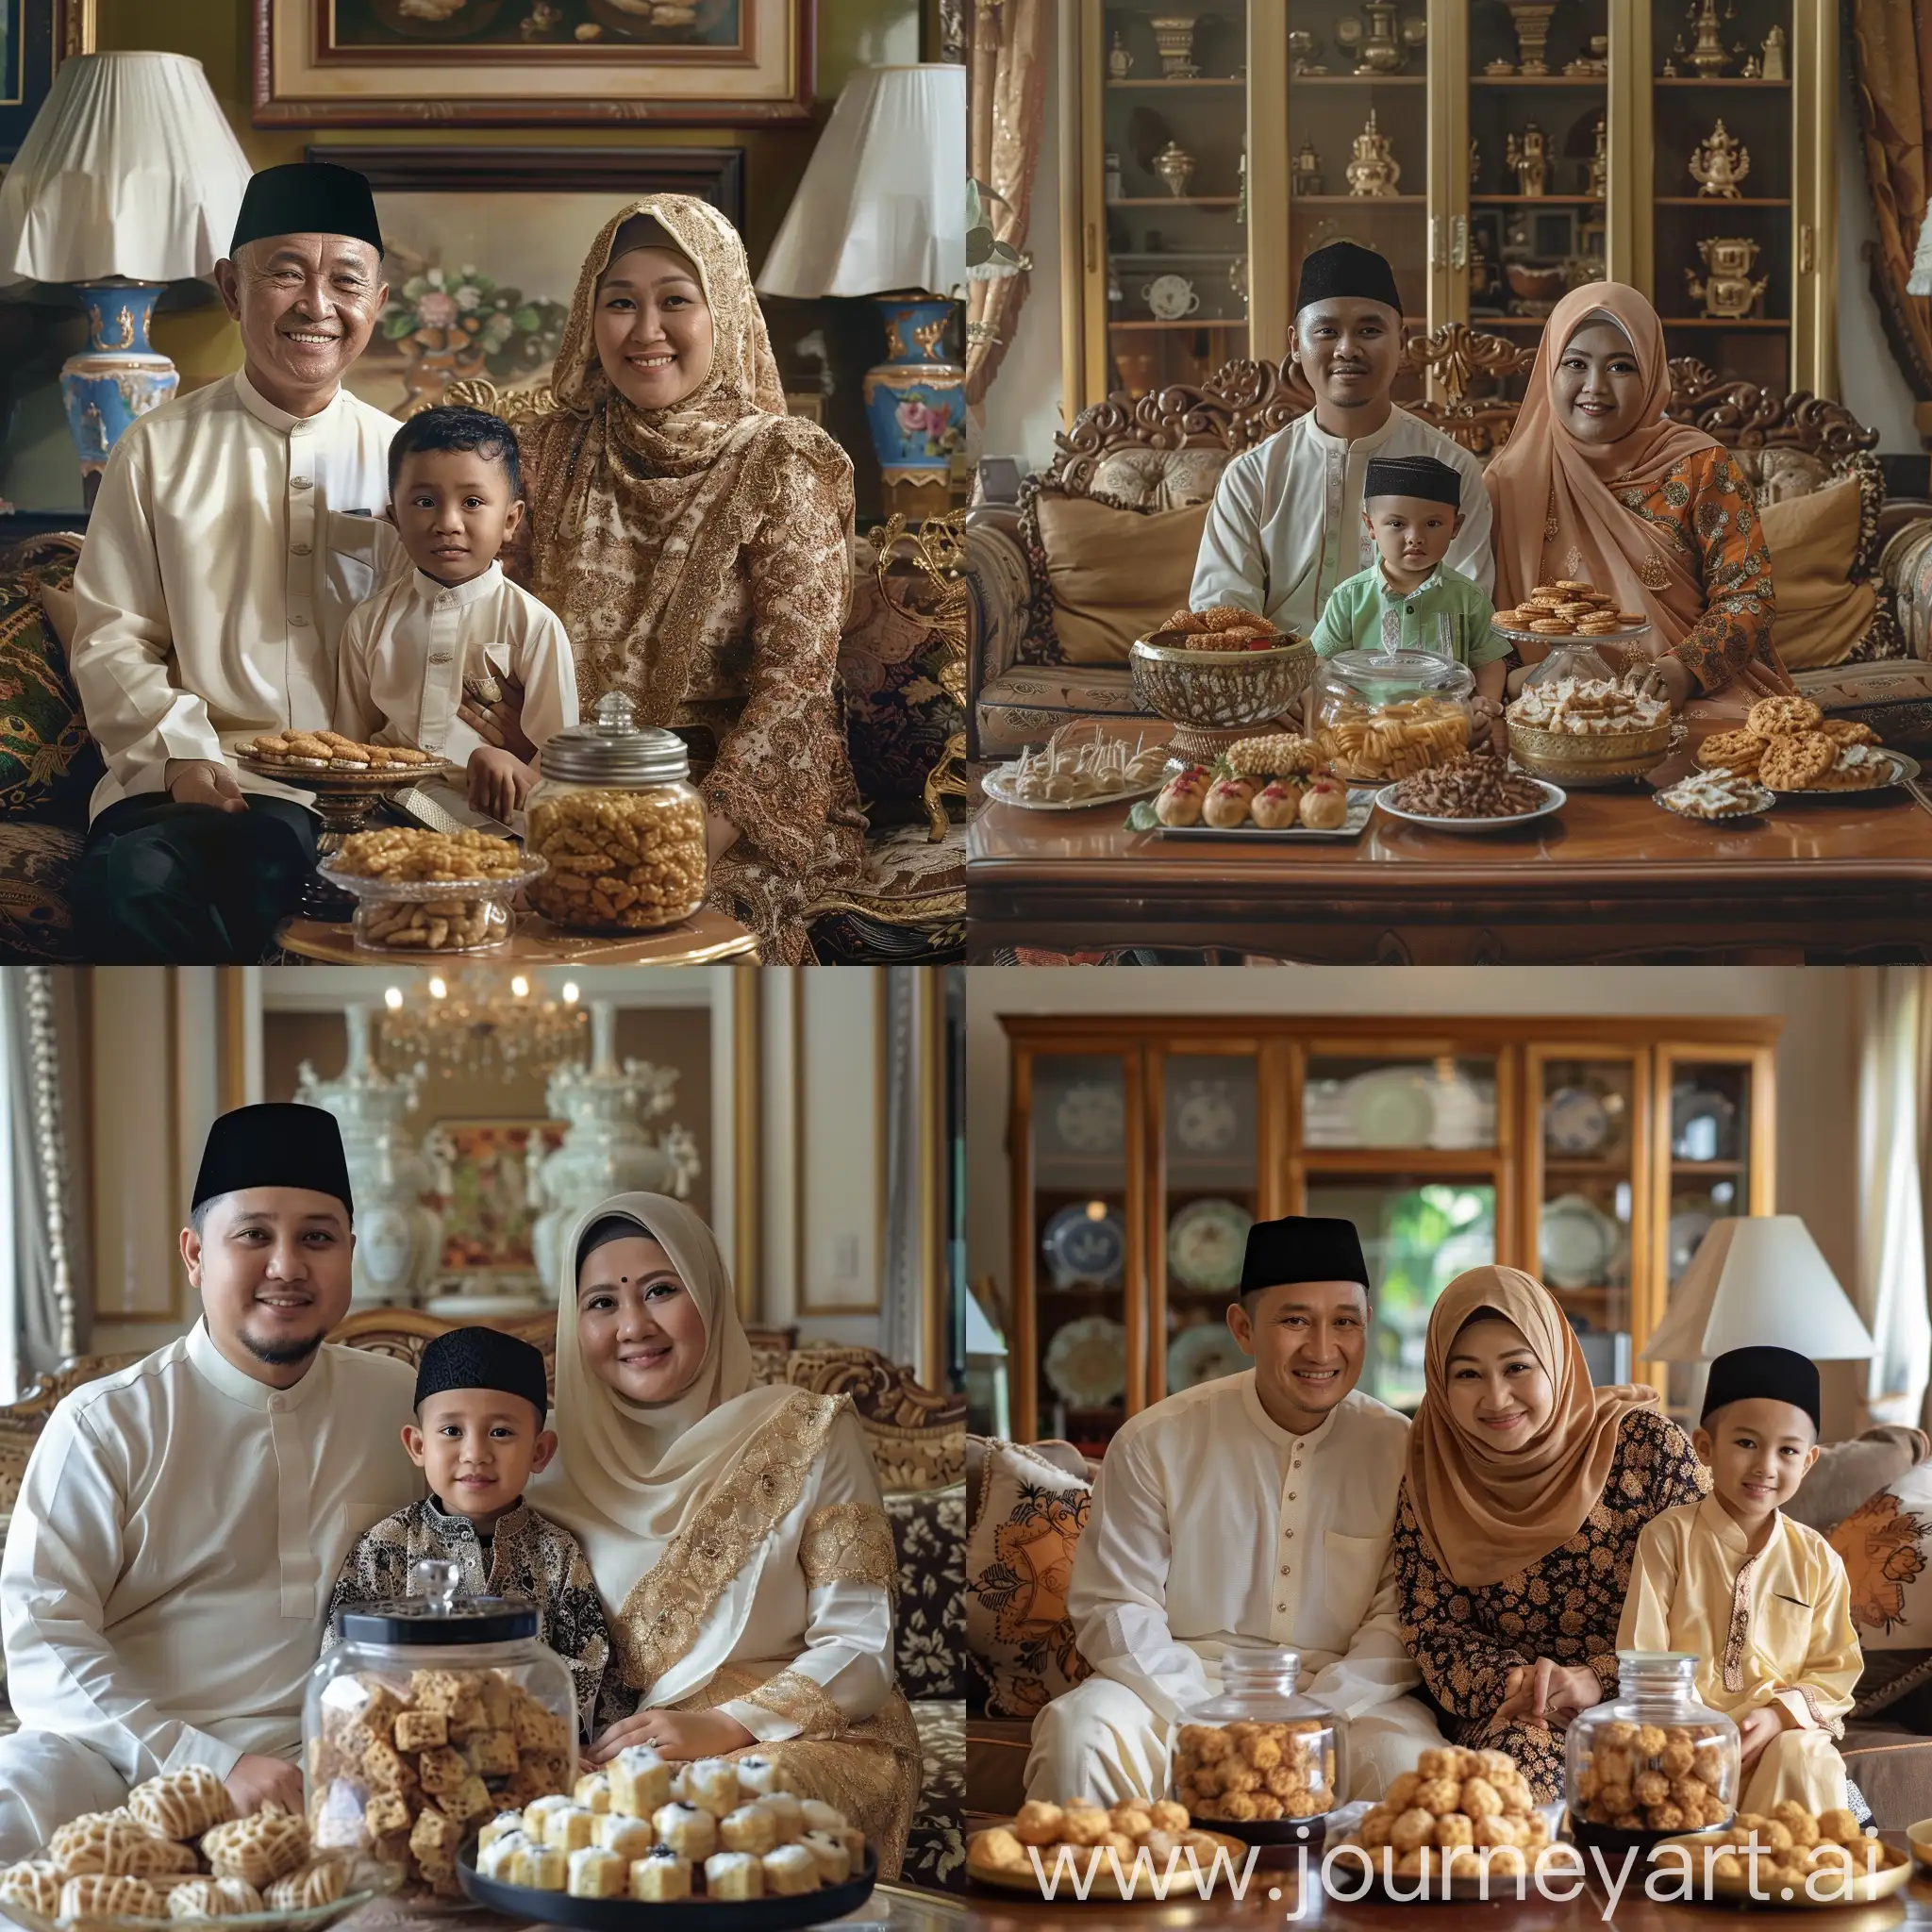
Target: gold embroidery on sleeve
[
  {"x": 849, "y": 1543},
  {"x": 802, "y": 1701}
]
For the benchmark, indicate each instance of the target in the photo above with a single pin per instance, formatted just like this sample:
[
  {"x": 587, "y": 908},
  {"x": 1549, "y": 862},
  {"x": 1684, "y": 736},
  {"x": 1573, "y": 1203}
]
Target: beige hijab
[
  {"x": 1556, "y": 499},
  {"x": 637, "y": 515},
  {"x": 628, "y": 1475},
  {"x": 1486, "y": 1514}
]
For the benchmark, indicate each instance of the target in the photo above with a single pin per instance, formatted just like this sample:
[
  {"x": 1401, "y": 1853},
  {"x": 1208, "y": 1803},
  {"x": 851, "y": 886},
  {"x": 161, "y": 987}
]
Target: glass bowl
[{"x": 424, "y": 917}]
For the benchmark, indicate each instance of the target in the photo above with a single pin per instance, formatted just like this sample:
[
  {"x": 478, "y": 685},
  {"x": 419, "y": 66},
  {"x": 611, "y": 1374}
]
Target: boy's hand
[
  {"x": 682, "y": 1734},
  {"x": 256, "y": 1780},
  {"x": 1755, "y": 1729},
  {"x": 502, "y": 723},
  {"x": 1488, "y": 716},
  {"x": 499, "y": 782}
]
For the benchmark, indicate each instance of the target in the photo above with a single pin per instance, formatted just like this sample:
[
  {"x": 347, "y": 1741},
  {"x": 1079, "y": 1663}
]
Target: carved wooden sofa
[
  {"x": 1166, "y": 450},
  {"x": 917, "y": 1441}
]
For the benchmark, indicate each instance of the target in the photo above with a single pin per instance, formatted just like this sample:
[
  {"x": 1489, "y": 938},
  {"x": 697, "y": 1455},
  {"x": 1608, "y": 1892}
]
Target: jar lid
[
  {"x": 612, "y": 748},
  {"x": 1382, "y": 675},
  {"x": 437, "y": 1615}
]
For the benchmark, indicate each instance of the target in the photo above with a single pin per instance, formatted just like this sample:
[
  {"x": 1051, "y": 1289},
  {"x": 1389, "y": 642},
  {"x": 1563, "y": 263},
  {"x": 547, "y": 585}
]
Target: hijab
[
  {"x": 638, "y": 515},
  {"x": 1486, "y": 1514},
  {"x": 1558, "y": 499},
  {"x": 629, "y": 1475}
]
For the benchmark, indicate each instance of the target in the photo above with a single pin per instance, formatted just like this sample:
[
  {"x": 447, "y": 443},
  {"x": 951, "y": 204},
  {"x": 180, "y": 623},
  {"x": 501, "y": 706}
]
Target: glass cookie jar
[
  {"x": 620, "y": 824},
  {"x": 1260, "y": 1760},
  {"x": 430, "y": 1716},
  {"x": 1653, "y": 1761},
  {"x": 1382, "y": 715}
]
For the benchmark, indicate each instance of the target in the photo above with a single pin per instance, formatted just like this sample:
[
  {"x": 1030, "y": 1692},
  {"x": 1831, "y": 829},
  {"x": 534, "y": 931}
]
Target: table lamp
[
  {"x": 1758, "y": 1280},
  {"x": 881, "y": 212},
  {"x": 129, "y": 179}
]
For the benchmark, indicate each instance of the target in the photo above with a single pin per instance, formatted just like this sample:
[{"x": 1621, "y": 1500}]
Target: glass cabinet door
[
  {"x": 1171, "y": 152},
  {"x": 1210, "y": 1165},
  {"x": 1081, "y": 1350}
]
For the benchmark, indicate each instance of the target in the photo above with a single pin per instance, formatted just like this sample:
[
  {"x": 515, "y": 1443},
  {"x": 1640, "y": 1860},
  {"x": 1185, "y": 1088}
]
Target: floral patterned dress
[{"x": 1565, "y": 1606}]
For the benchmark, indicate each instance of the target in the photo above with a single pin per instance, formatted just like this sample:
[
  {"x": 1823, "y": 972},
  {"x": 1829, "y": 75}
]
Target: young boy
[
  {"x": 1761, "y": 1600},
  {"x": 453, "y": 626},
  {"x": 1409, "y": 599},
  {"x": 478, "y": 1438}
]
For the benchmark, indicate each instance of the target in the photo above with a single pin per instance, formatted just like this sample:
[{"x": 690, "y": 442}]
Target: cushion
[
  {"x": 1886, "y": 1546},
  {"x": 1814, "y": 542},
  {"x": 929, "y": 1637},
  {"x": 1893, "y": 1769},
  {"x": 1158, "y": 478},
  {"x": 1019, "y": 1563},
  {"x": 1027, "y": 704},
  {"x": 37, "y": 862},
  {"x": 47, "y": 761},
  {"x": 1847, "y": 1474},
  {"x": 1063, "y": 1455},
  {"x": 936, "y": 1848},
  {"x": 1115, "y": 573},
  {"x": 899, "y": 713}
]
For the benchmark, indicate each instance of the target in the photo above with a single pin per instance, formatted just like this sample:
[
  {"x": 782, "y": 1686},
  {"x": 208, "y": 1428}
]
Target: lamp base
[{"x": 118, "y": 378}]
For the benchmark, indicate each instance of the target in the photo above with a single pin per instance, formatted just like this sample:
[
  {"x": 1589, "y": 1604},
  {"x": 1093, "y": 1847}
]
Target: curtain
[
  {"x": 1006, "y": 87},
  {"x": 1894, "y": 1007},
  {"x": 902, "y": 1299},
  {"x": 1891, "y": 43},
  {"x": 40, "y": 1009}
]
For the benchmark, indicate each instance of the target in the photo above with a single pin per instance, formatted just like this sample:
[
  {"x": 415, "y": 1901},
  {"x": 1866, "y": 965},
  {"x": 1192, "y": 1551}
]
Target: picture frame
[
  {"x": 486, "y": 1216},
  {"x": 481, "y": 63},
  {"x": 35, "y": 37}
]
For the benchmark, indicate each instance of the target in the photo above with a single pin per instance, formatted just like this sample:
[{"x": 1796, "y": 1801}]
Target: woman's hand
[
  {"x": 502, "y": 723},
  {"x": 1766, "y": 681},
  {"x": 1669, "y": 678},
  {"x": 672, "y": 1734},
  {"x": 721, "y": 835},
  {"x": 1545, "y": 1693},
  {"x": 256, "y": 1780}
]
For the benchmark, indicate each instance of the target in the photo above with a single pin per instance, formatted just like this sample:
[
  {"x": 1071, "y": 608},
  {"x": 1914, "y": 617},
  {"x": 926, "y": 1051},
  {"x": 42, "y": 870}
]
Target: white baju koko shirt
[
  {"x": 213, "y": 590},
  {"x": 408, "y": 649},
  {"x": 170, "y": 1560},
  {"x": 1286, "y": 523}
]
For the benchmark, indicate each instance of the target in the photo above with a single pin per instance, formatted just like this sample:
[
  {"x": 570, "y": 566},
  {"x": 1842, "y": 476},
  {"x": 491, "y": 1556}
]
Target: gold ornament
[
  {"x": 1306, "y": 175},
  {"x": 1727, "y": 289},
  {"x": 1719, "y": 163},
  {"x": 1530, "y": 159},
  {"x": 1707, "y": 54},
  {"x": 1374, "y": 170},
  {"x": 1597, "y": 169},
  {"x": 1381, "y": 47}
]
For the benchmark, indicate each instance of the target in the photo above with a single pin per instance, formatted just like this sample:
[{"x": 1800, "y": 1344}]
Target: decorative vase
[
  {"x": 605, "y": 1150},
  {"x": 1176, "y": 167},
  {"x": 117, "y": 377},
  {"x": 398, "y": 1235},
  {"x": 915, "y": 404}
]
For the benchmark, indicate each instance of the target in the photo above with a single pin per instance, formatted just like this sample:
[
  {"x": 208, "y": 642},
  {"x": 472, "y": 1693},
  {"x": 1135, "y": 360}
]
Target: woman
[
  {"x": 1597, "y": 484},
  {"x": 734, "y": 1531},
  {"x": 696, "y": 541},
  {"x": 1519, "y": 1515}
]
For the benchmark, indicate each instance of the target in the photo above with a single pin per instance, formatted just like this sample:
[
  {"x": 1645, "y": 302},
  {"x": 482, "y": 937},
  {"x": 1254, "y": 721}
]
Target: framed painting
[
  {"x": 35, "y": 37},
  {"x": 484, "y": 248},
  {"x": 483, "y": 1187},
  {"x": 525, "y": 64}
]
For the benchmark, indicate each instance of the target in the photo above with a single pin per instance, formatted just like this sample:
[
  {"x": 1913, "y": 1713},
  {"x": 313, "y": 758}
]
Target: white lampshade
[
  {"x": 129, "y": 169},
  {"x": 882, "y": 206},
  {"x": 1758, "y": 1280}
]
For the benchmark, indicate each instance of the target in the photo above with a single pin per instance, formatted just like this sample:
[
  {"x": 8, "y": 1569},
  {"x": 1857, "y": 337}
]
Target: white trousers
[
  {"x": 1801, "y": 1765},
  {"x": 1100, "y": 1741},
  {"x": 45, "y": 1779}
]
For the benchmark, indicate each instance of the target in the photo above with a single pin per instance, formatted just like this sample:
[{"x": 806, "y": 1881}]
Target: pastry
[
  {"x": 418, "y": 1731},
  {"x": 1278, "y": 804},
  {"x": 819, "y": 1816},
  {"x": 261, "y": 1848},
  {"x": 1626, "y": 1781},
  {"x": 734, "y": 1875},
  {"x": 1039, "y": 1824},
  {"x": 1797, "y": 760},
  {"x": 1719, "y": 794},
  {"x": 1777, "y": 717},
  {"x": 1732, "y": 751},
  {"x": 500, "y": 1827},
  {"x": 108, "y": 1843},
  {"x": 788, "y": 1811},
  {"x": 749, "y": 1828},
  {"x": 1182, "y": 798},
  {"x": 596, "y": 1874},
  {"x": 791, "y": 1870},
  {"x": 1475, "y": 786},
  {"x": 640, "y": 1781},
  {"x": 319, "y": 1882},
  {"x": 493, "y": 1753},
  {"x": 689, "y": 1830},
  {"x": 1229, "y": 1764},
  {"x": 569, "y": 1827},
  {"x": 538, "y": 1810},
  {"x": 34, "y": 1883},
  {"x": 1849, "y": 731},
  {"x": 1227, "y": 617},
  {"x": 213, "y": 1898},
  {"x": 712, "y": 1782},
  {"x": 542, "y": 1868},
  {"x": 629, "y": 1838},
  {"x": 1281, "y": 755},
  {"x": 659, "y": 1874},
  {"x": 593, "y": 1792},
  {"x": 493, "y": 1860},
  {"x": 101, "y": 1895},
  {"x": 1227, "y": 802},
  {"x": 1323, "y": 805},
  {"x": 183, "y": 1804},
  {"x": 1857, "y": 768},
  {"x": 1587, "y": 707},
  {"x": 835, "y": 1862}
]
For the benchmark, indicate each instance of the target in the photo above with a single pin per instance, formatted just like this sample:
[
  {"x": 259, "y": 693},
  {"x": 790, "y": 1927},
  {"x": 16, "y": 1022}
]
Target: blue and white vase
[
  {"x": 118, "y": 376},
  {"x": 915, "y": 401}
]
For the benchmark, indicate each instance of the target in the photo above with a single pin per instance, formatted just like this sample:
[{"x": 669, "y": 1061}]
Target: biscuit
[
  {"x": 1228, "y": 617},
  {"x": 1796, "y": 761},
  {"x": 261, "y": 1848},
  {"x": 1732, "y": 751},
  {"x": 1778, "y": 717},
  {"x": 1553, "y": 628},
  {"x": 1849, "y": 731}
]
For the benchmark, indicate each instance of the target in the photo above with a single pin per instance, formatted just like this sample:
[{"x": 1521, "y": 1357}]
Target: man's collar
[
  {"x": 1370, "y": 439},
  {"x": 266, "y": 412},
  {"x": 1312, "y": 1438},
  {"x": 239, "y": 1386}
]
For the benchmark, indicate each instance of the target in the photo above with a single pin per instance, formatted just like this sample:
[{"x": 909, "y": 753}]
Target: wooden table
[
  {"x": 708, "y": 940},
  {"x": 1610, "y": 878},
  {"x": 1185, "y": 1911}
]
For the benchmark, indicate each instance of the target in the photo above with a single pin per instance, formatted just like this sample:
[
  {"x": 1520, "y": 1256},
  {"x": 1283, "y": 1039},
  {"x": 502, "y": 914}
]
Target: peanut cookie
[
  {"x": 1849, "y": 731},
  {"x": 1775, "y": 717},
  {"x": 1732, "y": 751},
  {"x": 1796, "y": 761}
]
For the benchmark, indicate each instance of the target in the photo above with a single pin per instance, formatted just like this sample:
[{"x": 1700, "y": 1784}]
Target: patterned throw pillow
[
  {"x": 47, "y": 761},
  {"x": 1018, "y": 1564},
  {"x": 1886, "y": 1546},
  {"x": 899, "y": 713},
  {"x": 929, "y": 1533}
]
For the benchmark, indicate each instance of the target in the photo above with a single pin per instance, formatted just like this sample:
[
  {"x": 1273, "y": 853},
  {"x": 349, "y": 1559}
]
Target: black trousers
[{"x": 190, "y": 885}]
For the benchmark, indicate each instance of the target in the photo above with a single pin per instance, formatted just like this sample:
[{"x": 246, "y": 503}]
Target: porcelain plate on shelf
[
  {"x": 1577, "y": 1124},
  {"x": 1202, "y": 1354},
  {"x": 1087, "y": 1361},
  {"x": 1578, "y": 1242},
  {"x": 1086, "y": 1247},
  {"x": 1390, "y": 1106},
  {"x": 1206, "y": 1243}
]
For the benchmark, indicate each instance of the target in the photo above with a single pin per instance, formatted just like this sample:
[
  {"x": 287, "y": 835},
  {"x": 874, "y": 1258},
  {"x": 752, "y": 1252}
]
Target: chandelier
[{"x": 494, "y": 1022}]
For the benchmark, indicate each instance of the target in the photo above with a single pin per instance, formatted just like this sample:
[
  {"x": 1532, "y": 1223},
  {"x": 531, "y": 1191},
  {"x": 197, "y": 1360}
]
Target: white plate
[
  {"x": 1555, "y": 798},
  {"x": 1685, "y": 1235},
  {"x": 1206, "y": 1243},
  {"x": 1087, "y": 1361},
  {"x": 1392, "y": 1106},
  {"x": 1085, "y": 1247},
  {"x": 1205, "y": 1118},
  {"x": 1361, "y": 806},
  {"x": 998, "y": 788},
  {"x": 1204, "y": 1354},
  {"x": 1762, "y": 798},
  {"x": 1577, "y": 1124},
  {"x": 1091, "y": 1117},
  {"x": 1578, "y": 1242}
]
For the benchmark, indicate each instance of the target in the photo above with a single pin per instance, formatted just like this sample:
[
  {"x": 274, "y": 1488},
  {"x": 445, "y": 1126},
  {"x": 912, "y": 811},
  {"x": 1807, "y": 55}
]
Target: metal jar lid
[
  {"x": 434, "y": 1614},
  {"x": 611, "y": 748}
]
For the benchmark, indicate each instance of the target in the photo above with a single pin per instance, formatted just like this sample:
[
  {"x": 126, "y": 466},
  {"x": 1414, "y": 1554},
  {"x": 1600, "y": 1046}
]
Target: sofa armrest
[{"x": 999, "y": 594}]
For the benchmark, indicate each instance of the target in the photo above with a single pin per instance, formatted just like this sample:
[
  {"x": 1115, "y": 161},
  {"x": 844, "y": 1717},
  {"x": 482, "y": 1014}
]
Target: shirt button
[
  {"x": 1288, "y": 1532},
  {"x": 298, "y": 549},
  {"x": 276, "y": 1405},
  {"x": 1291, "y": 1495},
  {"x": 443, "y": 600},
  {"x": 1284, "y": 1569},
  {"x": 298, "y": 482},
  {"x": 298, "y": 621},
  {"x": 1282, "y": 1607}
]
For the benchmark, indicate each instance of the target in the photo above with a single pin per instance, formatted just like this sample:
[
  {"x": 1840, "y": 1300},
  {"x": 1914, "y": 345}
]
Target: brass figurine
[
  {"x": 1305, "y": 177},
  {"x": 1719, "y": 164},
  {"x": 1530, "y": 159},
  {"x": 1175, "y": 166},
  {"x": 1531, "y": 20},
  {"x": 1304, "y": 53},
  {"x": 1597, "y": 169},
  {"x": 1381, "y": 47},
  {"x": 1374, "y": 170},
  {"x": 1707, "y": 54},
  {"x": 1775, "y": 54},
  {"x": 1173, "y": 34},
  {"x": 1727, "y": 289},
  {"x": 1119, "y": 63}
]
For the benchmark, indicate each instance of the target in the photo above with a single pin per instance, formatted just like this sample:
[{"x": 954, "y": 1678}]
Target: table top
[
  {"x": 707, "y": 938},
  {"x": 891, "y": 1908}
]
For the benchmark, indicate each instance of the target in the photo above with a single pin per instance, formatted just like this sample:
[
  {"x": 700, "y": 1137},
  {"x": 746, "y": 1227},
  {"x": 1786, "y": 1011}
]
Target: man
[
  {"x": 216, "y": 580},
  {"x": 1250, "y": 1512},
  {"x": 1286, "y": 523},
  {"x": 181, "y": 1524}
]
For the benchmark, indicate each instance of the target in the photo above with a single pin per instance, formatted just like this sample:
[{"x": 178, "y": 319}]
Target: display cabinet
[
  {"x": 1595, "y": 1157},
  {"x": 1499, "y": 152}
]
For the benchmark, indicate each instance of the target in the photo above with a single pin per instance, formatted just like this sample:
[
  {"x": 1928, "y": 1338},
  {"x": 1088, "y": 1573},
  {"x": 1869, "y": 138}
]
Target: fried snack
[
  {"x": 261, "y": 1848},
  {"x": 319, "y": 1882},
  {"x": 213, "y": 1898},
  {"x": 1279, "y": 755},
  {"x": 1228, "y": 617},
  {"x": 1628, "y": 1781},
  {"x": 1857, "y": 768},
  {"x": 34, "y": 1883},
  {"x": 632, "y": 860},
  {"x": 98, "y": 1895},
  {"x": 1473, "y": 786},
  {"x": 1300, "y": 1773},
  {"x": 1732, "y": 751},
  {"x": 182, "y": 1804},
  {"x": 1797, "y": 760},
  {"x": 1780, "y": 717},
  {"x": 111, "y": 1845},
  {"x": 1712, "y": 795},
  {"x": 1587, "y": 707},
  {"x": 1378, "y": 743}
]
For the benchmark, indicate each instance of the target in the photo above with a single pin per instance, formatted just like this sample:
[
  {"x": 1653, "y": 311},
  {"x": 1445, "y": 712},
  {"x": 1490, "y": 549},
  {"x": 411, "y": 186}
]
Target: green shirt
[{"x": 1448, "y": 614}]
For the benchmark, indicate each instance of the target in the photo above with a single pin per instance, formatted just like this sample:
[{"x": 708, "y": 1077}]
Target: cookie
[
  {"x": 1732, "y": 751},
  {"x": 1552, "y": 628},
  {"x": 1849, "y": 731},
  {"x": 1775, "y": 717},
  {"x": 1796, "y": 761},
  {"x": 1228, "y": 617}
]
